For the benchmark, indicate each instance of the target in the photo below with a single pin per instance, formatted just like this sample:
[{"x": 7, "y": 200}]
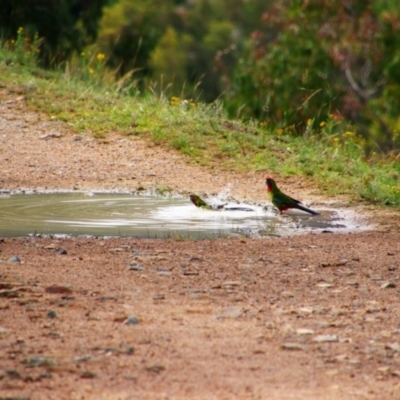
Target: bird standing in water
[
  {"x": 199, "y": 202},
  {"x": 282, "y": 201}
]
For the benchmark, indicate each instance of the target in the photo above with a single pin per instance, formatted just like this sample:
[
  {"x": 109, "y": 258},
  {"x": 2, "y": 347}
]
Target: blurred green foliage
[
  {"x": 331, "y": 57},
  {"x": 283, "y": 62},
  {"x": 63, "y": 26}
]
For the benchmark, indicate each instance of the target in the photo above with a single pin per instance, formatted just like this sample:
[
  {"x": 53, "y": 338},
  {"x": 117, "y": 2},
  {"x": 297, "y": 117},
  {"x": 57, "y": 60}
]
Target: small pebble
[
  {"x": 231, "y": 283},
  {"x": 326, "y": 338},
  {"x": 325, "y": 264},
  {"x": 47, "y": 375},
  {"x": 136, "y": 267},
  {"x": 117, "y": 250},
  {"x": 88, "y": 375},
  {"x": 388, "y": 285},
  {"x": 83, "y": 358},
  {"x": 52, "y": 314},
  {"x": 59, "y": 289},
  {"x": 293, "y": 346},
  {"x": 14, "y": 259},
  {"x": 231, "y": 312},
  {"x": 155, "y": 368},
  {"x": 52, "y": 135},
  {"x": 393, "y": 346},
  {"x": 324, "y": 285},
  {"x": 130, "y": 378},
  {"x": 13, "y": 374},
  {"x": 384, "y": 370},
  {"x": 61, "y": 250},
  {"x": 39, "y": 362},
  {"x": 302, "y": 331},
  {"x": 131, "y": 321},
  {"x": 3, "y": 331},
  {"x": 12, "y": 293}
]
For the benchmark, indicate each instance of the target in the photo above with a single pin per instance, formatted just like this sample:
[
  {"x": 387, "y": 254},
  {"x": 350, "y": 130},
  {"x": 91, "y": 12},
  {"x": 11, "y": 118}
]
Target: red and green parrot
[
  {"x": 282, "y": 201},
  {"x": 199, "y": 202}
]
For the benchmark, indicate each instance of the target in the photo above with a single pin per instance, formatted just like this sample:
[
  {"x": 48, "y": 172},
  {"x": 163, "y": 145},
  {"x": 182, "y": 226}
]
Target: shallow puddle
[{"x": 127, "y": 215}]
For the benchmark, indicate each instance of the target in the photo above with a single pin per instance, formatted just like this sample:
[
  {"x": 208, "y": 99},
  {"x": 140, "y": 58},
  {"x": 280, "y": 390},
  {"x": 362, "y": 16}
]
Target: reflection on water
[{"x": 107, "y": 214}]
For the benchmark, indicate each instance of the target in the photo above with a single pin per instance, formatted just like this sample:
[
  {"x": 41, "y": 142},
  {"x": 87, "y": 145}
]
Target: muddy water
[{"x": 125, "y": 215}]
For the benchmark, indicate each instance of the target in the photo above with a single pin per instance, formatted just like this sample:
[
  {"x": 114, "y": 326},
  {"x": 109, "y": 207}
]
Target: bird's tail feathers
[{"x": 300, "y": 207}]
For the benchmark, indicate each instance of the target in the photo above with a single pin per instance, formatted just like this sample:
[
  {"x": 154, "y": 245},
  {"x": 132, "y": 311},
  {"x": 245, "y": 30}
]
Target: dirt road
[{"x": 309, "y": 317}]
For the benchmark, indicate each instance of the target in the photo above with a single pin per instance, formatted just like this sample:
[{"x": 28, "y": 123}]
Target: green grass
[{"x": 330, "y": 155}]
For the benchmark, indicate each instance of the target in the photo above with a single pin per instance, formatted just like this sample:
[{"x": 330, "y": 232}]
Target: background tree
[
  {"x": 329, "y": 57},
  {"x": 64, "y": 26},
  {"x": 168, "y": 63},
  {"x": 210, "y": 32},
  {"x": 129, "y": 33}
]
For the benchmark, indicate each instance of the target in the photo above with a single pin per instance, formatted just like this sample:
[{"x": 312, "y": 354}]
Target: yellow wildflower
[
  {"x": 100, "y": 57},
  {"x": 175, "y": 101}
]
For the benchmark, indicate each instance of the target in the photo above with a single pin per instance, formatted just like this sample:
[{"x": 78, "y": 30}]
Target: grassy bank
[{"x": 84, "y": 96}]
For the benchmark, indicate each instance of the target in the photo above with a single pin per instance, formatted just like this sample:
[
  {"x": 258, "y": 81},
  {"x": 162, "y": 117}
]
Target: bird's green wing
[
  {"x": 199, "y": 202},
  {"x": 283, "y": 200}
]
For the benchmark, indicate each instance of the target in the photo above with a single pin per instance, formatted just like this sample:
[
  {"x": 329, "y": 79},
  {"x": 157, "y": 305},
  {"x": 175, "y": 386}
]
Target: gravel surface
[{"x": 310, "y": 317}]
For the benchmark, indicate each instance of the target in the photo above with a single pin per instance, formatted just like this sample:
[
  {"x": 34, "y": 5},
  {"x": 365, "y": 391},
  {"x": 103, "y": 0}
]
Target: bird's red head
[
  {"x": 270, "y": 183},
  {"x": 192, "y": 197}
]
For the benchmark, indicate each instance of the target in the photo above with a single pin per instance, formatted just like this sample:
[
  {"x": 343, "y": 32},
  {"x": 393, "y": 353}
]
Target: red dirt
[{"x": 309, "y": 317}]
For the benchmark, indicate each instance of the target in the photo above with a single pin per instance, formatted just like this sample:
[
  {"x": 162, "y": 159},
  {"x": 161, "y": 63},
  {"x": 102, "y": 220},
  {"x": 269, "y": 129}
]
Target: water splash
[{"x": 225, "y": 194}]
